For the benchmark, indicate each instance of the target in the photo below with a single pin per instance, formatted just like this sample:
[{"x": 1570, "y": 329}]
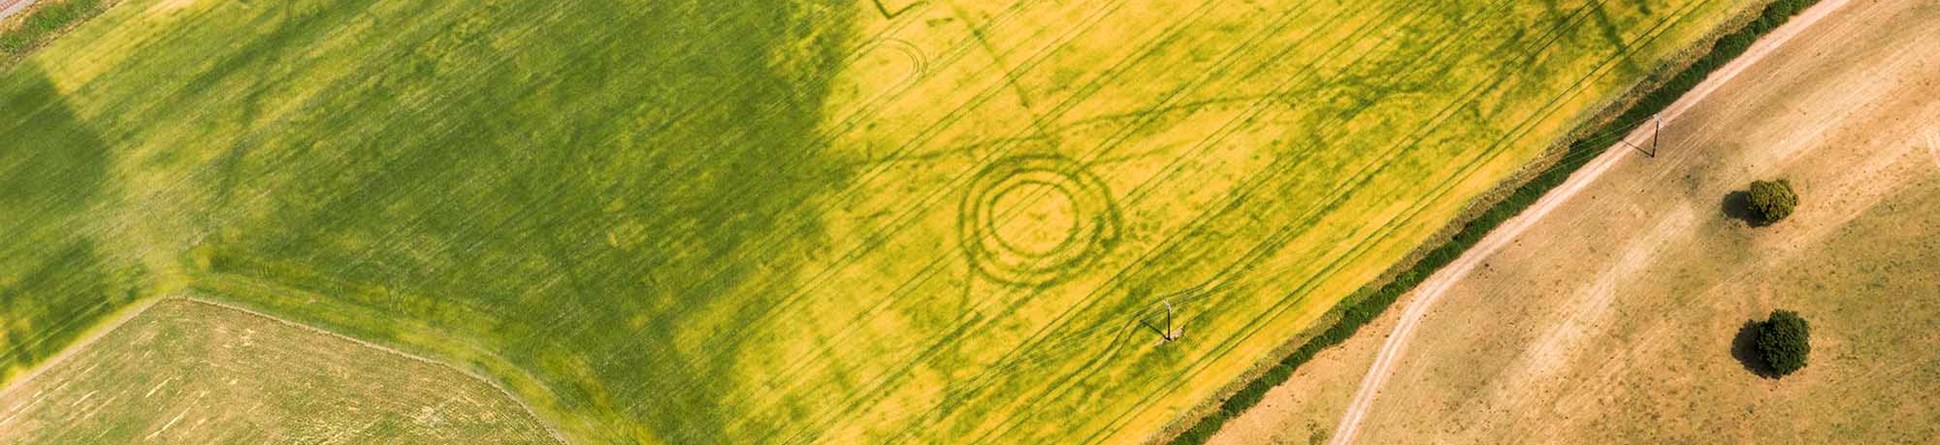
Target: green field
[{"x": 689, "y": 222}]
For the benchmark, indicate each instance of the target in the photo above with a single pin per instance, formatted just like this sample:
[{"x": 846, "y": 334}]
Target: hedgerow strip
[{"x": 42, "y": 23}]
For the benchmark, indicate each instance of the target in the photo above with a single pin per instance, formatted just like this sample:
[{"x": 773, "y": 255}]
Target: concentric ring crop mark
[{"x": 1094, "y": 220}]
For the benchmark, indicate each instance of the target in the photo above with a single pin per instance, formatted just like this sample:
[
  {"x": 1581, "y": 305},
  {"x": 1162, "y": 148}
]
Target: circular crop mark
[{"x": 1036, "y": 219}]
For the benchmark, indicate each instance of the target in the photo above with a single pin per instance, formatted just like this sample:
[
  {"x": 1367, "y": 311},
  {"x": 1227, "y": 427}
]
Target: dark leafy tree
[
  {"x": 1784, "y": 341},
  {"x": 1772, "y": 201}
]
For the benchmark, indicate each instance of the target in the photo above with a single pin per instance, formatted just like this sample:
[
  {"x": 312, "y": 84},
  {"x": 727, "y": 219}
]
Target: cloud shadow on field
[
  {"x": 53, "y": 280},
  {"x": 608, "y": 188}
]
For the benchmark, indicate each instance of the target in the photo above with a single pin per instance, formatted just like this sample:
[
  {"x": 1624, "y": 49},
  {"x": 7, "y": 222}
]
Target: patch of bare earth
[
  {"x": 1614, "y": 318},
  {"x": 1303, "y": 410}
]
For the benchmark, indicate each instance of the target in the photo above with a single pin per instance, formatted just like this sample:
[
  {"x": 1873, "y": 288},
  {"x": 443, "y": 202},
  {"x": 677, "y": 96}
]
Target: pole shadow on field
[
  {"x": 1154, "y": 328},
  {"x": 1744, "y": 347}
]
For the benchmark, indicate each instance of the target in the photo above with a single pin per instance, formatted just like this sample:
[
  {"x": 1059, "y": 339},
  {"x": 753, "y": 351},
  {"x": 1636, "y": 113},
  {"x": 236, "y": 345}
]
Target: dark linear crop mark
[
  {"x": 1652, "y": 34},
  {"x": 887, "y": 14},
  {"x": 1151, "y": 46},
  {"x": 1551, "y": 106},
  {"x": 1224, "y": 131},
  {"x": 906, "y": 218},
  {"x": 1038, "y": 338},
  {"x": 1001, "y": 366}
]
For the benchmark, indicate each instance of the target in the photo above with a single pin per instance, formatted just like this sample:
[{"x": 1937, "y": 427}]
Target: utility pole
[
  {"x": 1656, "y": 135},
  {"x": 1170, "y": 334}
]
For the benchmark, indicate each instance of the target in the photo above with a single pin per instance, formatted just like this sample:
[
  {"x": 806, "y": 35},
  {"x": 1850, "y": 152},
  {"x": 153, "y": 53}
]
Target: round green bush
[
  {"x": 1772, "y": 201},
  {"x": 1784, "y": 341}
]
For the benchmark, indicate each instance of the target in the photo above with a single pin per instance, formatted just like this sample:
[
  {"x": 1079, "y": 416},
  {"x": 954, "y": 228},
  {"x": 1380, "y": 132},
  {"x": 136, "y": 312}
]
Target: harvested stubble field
[
  {"x": 192, "y": 373},
  {"x": 686, "y": 222}
]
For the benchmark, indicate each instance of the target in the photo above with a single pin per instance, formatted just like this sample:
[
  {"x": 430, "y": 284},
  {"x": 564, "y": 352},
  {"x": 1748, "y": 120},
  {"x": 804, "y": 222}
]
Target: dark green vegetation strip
[
  {"x": 1374, "y": 301},
  {"x": 42, "y": 23}
]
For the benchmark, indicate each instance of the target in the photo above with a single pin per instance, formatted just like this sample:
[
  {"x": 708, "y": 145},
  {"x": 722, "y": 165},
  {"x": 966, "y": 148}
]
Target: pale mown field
[
  {"x": 191, "y": 373},
  {"x": 689, "y": 222},
  {"x": 1617, "y": 320}
]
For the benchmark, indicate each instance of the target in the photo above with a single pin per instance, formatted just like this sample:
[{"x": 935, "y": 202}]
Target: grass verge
[
  {"x": 43, "y": 23},
  {"x": 1653, "y": 98}
]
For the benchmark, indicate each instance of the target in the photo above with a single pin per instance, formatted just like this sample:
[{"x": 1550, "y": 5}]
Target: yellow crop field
[{"x": 676, "y": 221}]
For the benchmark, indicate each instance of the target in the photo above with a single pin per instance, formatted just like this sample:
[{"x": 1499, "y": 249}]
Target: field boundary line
[
  {"x": 529, "y": 411},
  {"x": 1437, "y": 285},
  {"x": 122, "y": 316},
  {"x": 129, "y": 313}
]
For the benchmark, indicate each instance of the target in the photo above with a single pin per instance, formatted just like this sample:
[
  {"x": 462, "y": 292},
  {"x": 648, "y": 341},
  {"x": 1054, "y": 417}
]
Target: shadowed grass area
[
  {"x": 53, "y": 281},
  {"x": 507, "y": 173}
]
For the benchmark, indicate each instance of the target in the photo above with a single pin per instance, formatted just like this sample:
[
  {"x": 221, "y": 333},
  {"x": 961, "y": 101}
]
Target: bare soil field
[
  {"x": 187, "y": 372},
  {"x": 1617, "y": 317}
]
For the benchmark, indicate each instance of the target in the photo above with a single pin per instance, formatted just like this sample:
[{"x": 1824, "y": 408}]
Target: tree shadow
[
  {"x": 1737, "y": 205},
  {"x": 53, "y": 164},
  {"x": 1744, "y": 347}
]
